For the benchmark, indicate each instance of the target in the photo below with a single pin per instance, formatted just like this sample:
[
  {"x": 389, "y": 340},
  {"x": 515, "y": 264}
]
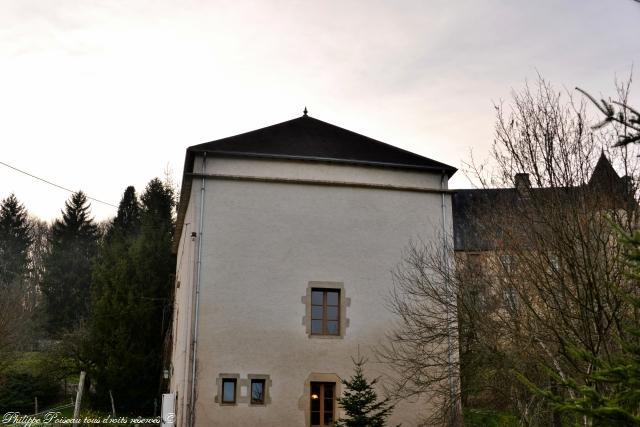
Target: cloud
[{"x": 101, "y": 95}]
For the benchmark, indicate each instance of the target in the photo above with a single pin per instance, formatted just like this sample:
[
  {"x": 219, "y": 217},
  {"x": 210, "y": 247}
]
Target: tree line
[{"x": 81, "y": 295}]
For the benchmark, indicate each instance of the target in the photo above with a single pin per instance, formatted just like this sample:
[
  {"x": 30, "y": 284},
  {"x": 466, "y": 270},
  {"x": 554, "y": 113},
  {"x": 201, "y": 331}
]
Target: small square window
[
  {"x": 257, "y": 392},
  {"x": 229, "y": 390}
]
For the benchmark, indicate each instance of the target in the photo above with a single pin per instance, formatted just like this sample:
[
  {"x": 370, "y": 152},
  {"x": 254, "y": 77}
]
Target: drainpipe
[
  {"x": 192, "y": 399},
  {"x": 447, "y": 285}
]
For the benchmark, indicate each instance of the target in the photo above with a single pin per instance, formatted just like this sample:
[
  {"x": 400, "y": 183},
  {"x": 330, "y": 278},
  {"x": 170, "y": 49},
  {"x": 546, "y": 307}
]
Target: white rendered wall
[
  {"x": 292, "y": 169},
  {"x": 263, "y": 242},
  {"x": 182, "y": 314}
]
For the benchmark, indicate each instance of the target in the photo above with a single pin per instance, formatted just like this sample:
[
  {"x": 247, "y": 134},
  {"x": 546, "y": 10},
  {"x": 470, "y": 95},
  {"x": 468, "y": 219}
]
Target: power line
[{"x": 55, "y": 185}]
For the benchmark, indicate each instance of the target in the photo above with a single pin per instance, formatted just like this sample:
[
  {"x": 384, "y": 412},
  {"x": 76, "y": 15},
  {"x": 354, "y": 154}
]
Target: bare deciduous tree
[
  {"x": 541, "y": 271},
  {"x": 423, "y": 349}
]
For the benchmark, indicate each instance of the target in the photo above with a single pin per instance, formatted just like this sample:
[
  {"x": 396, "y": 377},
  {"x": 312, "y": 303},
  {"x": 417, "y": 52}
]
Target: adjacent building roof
[
  {"x": 471, "y": 208},
  {"x": 307, "y": 138}
]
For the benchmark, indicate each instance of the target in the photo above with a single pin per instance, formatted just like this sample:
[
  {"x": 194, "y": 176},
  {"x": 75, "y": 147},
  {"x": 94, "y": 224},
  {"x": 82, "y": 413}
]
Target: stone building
[
  {"x": 482, "y": 217},
  {"x": 529, "y": 258},
  {"x": 287, "y": 236}
]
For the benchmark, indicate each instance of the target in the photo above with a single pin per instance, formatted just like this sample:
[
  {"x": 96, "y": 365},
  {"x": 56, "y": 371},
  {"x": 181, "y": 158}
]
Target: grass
[{"x": 26, "y": 362}]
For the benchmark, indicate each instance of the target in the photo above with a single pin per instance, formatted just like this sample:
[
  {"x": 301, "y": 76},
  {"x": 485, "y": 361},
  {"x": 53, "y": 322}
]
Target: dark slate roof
[
  {"x": 471, "y": 207},
  {"x": 604, "y": 173},
  {"x": 306, "y": 138},
  {"x": 479, "y": 215}
]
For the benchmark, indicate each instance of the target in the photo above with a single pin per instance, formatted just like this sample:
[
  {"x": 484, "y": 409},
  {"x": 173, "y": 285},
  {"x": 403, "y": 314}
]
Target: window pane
[
  {"x": 328, "y": 407},
  {"x": 316, "y": 326},
  {"x": 328, "y": 403},
  {"x": 333, "y": 298},
  {"x": 315, "y": 402},
  {"x": 333, "y": 313},
  {"x": 315, "y": 418},
  {"x": 316, "y": 312},
  {"x": 228, "y": 391},
  {"x": 332, "y": 327},
  {"x": 328, "y": 390},
  {"x": 257, "y": 391},
  {"x": 315, "y": 388},
  {"x": 328, "y": 418},
  {"x": 316, "y": 297}
]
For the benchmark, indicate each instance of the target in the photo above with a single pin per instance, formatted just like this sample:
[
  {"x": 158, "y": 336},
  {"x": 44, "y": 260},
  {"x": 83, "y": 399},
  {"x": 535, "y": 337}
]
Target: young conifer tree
[{"x": 360, "y": 401}]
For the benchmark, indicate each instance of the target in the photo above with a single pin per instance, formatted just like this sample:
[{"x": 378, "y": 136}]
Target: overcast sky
[{"x": 98, "y": 95}]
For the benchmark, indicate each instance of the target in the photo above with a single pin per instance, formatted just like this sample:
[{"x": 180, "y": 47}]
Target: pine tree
[
  {"x": 112, "y": 283},
  {"x": 127, "y": 221},
  {"x": 67, "y": 278},
  {"x": 15, "y": 239},
  {"x": 155, "y": 267},
  {"x": 360, "y": 401},
  {"x": 132, "y": 282}
]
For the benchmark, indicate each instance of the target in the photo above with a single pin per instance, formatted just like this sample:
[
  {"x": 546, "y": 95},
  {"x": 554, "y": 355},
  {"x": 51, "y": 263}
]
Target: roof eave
[
  {"x": 185, "y": 194},
  {"x": 439, "y": 168}
]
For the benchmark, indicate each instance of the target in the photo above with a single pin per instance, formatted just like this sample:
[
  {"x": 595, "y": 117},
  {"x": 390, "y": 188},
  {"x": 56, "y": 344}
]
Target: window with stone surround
[
  {"x": 326, "y": 310},
  {"x": 323, "y": 404},
  {"x": 253, "y": 390},
  {"x": 257, "y": 391},
  {"x": 229, "y": 390}
]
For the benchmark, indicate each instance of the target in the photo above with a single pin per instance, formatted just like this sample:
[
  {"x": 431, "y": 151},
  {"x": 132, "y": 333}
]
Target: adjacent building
[{"x": 484, "y": 217}]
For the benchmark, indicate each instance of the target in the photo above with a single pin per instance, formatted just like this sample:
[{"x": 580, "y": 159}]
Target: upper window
[
  {"x": 229, "y": 390},
  {"x": 554, "y": 263},
  {"x": 511, "y": 298},
  {"x": 325, "y": 311},
  {"x": 507, "y": 263}
]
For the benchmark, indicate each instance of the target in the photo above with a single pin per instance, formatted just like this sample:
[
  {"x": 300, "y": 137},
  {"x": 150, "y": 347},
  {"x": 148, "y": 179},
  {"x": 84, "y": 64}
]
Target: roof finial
[{"x": 305, "y": 111}]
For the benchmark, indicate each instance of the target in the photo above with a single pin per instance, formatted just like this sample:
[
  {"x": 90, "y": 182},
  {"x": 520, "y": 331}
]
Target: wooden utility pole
[
  {"x": 113, "y": 406},
  {"x": 76, "y": 409}
]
